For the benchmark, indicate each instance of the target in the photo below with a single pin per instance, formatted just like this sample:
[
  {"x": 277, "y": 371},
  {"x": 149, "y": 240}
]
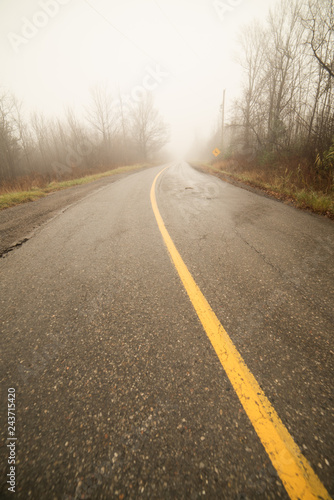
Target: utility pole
[{"x": 222, "y": 108}]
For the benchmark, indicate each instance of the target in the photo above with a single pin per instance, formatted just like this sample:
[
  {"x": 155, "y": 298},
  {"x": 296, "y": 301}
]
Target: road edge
[
  {"x": 286, "y": 200},
  {"x": 40, "y": 222}
]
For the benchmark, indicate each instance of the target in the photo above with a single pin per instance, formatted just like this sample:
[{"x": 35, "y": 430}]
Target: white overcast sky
[{"x": 50, "y": 60}]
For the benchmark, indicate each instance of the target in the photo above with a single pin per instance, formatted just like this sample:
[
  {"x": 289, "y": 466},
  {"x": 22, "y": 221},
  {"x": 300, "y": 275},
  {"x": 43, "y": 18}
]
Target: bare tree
[
  {"x": 285, "y": 36},
  {"x": 253, "y": 60},
  {"x": 9, "y": 146},
  {"x": 319, "y": 21},
  {"x": 23, "y": 135},
  {"x": 101, "y": 115},
  {"x": 124, "y": 128},
  {"x": 288, "y": 93},
  {"x": 43, "y": 140},
  {"x": 57, "y": 147},
  {"x": 149, "y": 131}
]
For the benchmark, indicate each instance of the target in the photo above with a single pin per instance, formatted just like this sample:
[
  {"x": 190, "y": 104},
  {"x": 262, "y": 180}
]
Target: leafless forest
[
  {"x": 286, "y": 109},
  {"x": 112, "y": 133}
]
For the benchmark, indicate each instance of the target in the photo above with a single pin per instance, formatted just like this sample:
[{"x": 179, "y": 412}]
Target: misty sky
[{"x": 181, "y": 50}]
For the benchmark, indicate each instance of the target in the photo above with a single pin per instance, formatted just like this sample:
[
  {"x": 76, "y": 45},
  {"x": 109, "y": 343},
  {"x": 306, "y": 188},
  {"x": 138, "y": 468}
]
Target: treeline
[
  {"x": 112, "y": 132},
  {"x": 286, "y": 105}
]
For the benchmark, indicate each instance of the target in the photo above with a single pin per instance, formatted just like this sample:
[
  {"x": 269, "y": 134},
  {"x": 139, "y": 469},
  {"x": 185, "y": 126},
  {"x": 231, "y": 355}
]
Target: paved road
[
  {"x": 119, "y": 393},
  {"x": 21, "y": 221}
]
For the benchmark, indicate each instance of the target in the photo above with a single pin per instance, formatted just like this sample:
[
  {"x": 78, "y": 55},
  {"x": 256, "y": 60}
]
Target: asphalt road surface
[
  {"x": 19, "y": 223},
  {"x": 119, "y": 392}
]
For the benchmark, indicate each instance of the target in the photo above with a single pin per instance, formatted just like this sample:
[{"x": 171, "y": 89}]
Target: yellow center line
[{"x": 297, "y": 476}]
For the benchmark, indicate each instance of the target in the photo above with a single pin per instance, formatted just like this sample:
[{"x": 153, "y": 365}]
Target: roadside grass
[
  {"x": 286, "y": 184},
  {"x": 38, "y": 188},
  {"x": 16, "y": 198}
]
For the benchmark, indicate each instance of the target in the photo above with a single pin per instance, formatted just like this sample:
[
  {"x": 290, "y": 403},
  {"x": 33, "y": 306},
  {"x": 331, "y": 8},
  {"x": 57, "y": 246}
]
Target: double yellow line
[{"x": 297, "y": 476}]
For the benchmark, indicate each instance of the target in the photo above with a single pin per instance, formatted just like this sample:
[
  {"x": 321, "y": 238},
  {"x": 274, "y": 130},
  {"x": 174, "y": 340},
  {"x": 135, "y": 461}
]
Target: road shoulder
[
  {"x": 18, "y": 224},
  {"x": 267, "y": 193}
]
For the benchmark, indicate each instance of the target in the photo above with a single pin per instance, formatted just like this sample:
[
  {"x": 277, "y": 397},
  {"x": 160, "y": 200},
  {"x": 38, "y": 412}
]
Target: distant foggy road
[{"x": 119, "y": 391}]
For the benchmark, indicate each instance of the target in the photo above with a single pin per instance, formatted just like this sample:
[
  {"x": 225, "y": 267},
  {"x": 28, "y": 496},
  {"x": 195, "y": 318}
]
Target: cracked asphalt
[{"x": 119, "y": 393}]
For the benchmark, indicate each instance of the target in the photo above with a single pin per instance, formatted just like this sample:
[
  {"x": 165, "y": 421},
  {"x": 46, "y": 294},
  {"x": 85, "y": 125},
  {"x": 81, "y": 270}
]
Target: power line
[
  {"x": 121, "y": 32},
  {"x": 135, "y": 44},
  {"x": 176, "y": 29}
]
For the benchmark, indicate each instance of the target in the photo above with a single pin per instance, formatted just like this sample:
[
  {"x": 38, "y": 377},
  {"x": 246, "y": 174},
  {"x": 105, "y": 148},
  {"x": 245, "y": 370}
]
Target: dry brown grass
[
  {"x": 37, "y": 181},
  {"x": 293, "y": 179},
  {"x": 31, "y": 188}
]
